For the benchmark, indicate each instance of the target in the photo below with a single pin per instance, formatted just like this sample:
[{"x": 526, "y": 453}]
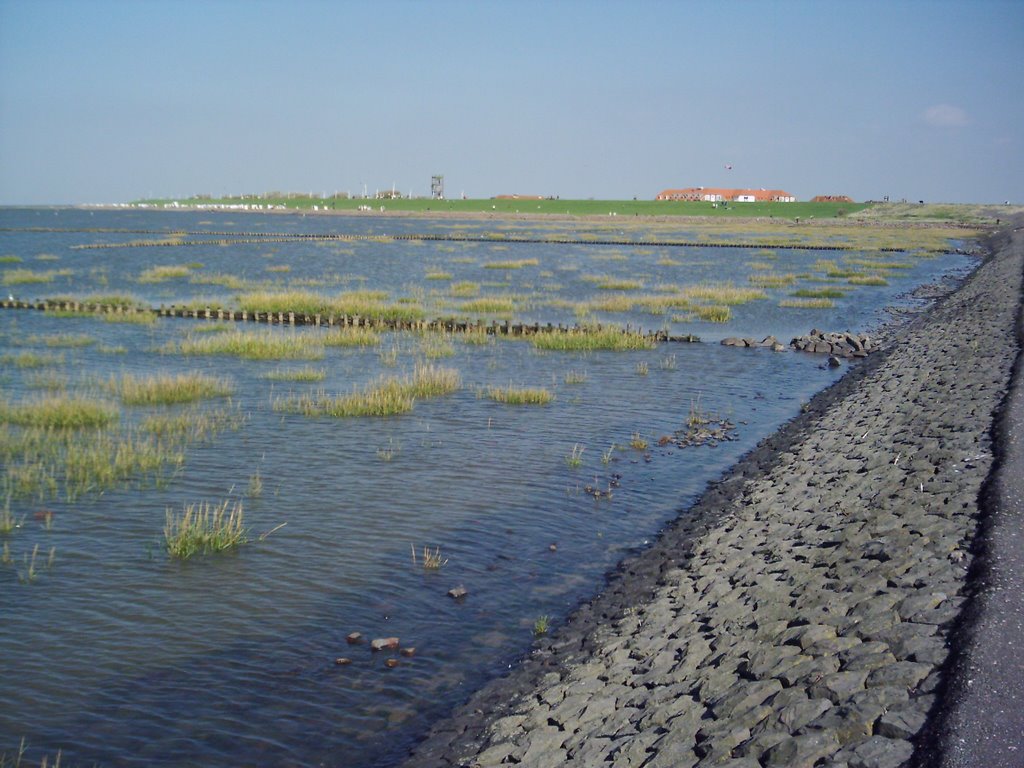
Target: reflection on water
[{"x": 119, "y": 656}]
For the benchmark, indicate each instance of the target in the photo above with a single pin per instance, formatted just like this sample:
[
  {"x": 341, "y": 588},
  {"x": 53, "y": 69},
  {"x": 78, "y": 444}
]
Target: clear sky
[{"x": 109, "y": 100}]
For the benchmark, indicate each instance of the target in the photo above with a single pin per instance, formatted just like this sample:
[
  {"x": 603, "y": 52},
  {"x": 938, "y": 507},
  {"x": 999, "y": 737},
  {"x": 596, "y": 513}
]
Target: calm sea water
[{"x": 118, "y": 655}]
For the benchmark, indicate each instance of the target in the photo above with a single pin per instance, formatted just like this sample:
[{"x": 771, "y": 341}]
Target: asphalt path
[{"x": 984, "y": 725}]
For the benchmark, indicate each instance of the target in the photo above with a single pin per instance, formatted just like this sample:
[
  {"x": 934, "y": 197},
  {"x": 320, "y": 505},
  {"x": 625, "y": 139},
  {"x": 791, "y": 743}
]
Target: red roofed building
[{"x": 719, "y": 195}]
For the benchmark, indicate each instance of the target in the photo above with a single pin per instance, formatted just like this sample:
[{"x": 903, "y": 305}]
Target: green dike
[{"x": 545, "y": 206}]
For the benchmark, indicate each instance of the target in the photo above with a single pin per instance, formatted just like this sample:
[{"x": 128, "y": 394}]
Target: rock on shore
[{"x": 800, "y": 613}]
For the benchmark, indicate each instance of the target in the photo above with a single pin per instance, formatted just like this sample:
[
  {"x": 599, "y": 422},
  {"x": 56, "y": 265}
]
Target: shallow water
[{"x": 120, "y": 656}]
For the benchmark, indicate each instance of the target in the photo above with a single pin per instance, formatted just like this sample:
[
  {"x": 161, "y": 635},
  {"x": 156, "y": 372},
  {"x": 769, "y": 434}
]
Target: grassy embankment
[{"x": 546, "y": 206}]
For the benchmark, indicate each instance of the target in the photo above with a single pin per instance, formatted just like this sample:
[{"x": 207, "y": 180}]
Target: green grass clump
[
  {"x": 160, "y": 273},
  {"x": 252, "y": 345},
  {"x": 372, "y": 305},
  {"x": 192, "y": 425},
  {"x": 492, "y": 305},
  {"x": 59, "y": 411},
  {"x": 30, "y": 360},
  {"x": 512, "y": 264},
  {"x": 10, "y": 259},
  {"x": 464, "y": 289},
  {"x": 203, "y": 528},
  {"x": 867, "y": 280},
  {"x": 168, "y": 389},
  {"x": 723, "y": 293},
  {"x": 29, "y": 276},
  {"x": 614, "y": 303},
  {"x": 772, "y": 280},
  {"x": 351, "y": 337},
  {"x": 308, "y": 373},
  {"x": 810, "y": 303},
  {"x": 63, "y": 340},
  {"x": 438, "y": 275},
  {"x": 617, "y": 284},
  {"x": 520, "y": 395},
  {"x": 436, "y": 345},
  {"x": 819, "y": 293},
  {"x": 385, "y": 397},
  {"x": 591, "y": 339},
  {"x": 712, "y": 313},
  {"x": 231, "y": 282}
]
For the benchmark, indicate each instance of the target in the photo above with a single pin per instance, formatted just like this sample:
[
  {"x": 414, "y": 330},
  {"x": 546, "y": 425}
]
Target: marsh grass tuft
[
  {"x": 512, "y": 264},
  {"x": 431, "y": 559},
  {"x": 168, "y": 389},
  {"x": 30, "y": 360},
  {"x": 591, "y": 339},
  {"x": 575, "y": 457},
  {"x": 382, "y": 398},
  {"x": 541, "y": 626},
  {"x": 307, "y": 373},
  {"x": 203, "y": 528},
  {"x": 822, "y": 303},
  {"x": 255, "y": 486},
  {"x": 351, "y": 337},
  {"x": 59, "y": 411},
  {"x": 520, "y": 395},
  {"x": 875, "y": 280},
  {"x": 159, "y": 274},
  {"x": 252, "y": 345}
]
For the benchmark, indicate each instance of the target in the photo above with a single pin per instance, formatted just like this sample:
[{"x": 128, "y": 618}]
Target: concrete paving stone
[
  {"x": 715, "y": 683},
  {"x": 876, "y": 627},
  {"x": 869, "y": 661},
  {"x": 598, "y": 708},
  {"x": 765, "y": 658},
  {"x": 672, "y": 752},
  {"x": 743, "y": 695},
  {"x": 542, "y": 747},
  {"x": 554, "y": 694},
  {"x": 619, "y": 723},
  {"x": 735, "y": 762},
  {"x": 834, "y": 646},
  {"x": 810, "y": 670},
  {"x": 717, "y": 741},
  {"x": 770, "y": 630},
  {"x": 635, "y": 751},
  {"x": 797, "y": 714},
  {"x": 760, "y": 742},
  {"x": 801, "y": 751},
  {"x": 589, "y": 750},
  {"x": 928, "y": 649},
  {"x": 875, "y": 604},
  {"x": 506, "y": 727},
  {"x": 902, "y": 674},
  {"x": 946, "y": 613},
  {"x": 902, "y": 724},
  {"x": 880, "y": 752},
  {"x": 495, "y": 755},
  {"x": 916, "y": 604},
  {"x": 838, "y": 686}
]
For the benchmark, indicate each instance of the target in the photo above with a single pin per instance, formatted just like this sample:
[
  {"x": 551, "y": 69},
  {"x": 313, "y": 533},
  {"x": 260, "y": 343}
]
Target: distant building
[
  {"x": 518, "y": 197},
  {"x": 832, "y": 199},
  {"x": 720, "y": 195}
]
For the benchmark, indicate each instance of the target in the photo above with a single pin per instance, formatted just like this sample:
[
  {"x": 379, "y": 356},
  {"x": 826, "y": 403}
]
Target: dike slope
[{"x": 802, "y": 613}]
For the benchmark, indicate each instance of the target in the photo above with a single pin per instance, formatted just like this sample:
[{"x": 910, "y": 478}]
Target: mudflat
[{"x": 804, "y": 611}]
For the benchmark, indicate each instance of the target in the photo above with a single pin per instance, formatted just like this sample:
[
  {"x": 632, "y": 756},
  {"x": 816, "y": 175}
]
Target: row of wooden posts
[{"x": 448, "y": 325}]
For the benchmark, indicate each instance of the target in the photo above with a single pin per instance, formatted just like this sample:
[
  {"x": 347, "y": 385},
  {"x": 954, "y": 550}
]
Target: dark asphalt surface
[{"x": 984, "y": 725}]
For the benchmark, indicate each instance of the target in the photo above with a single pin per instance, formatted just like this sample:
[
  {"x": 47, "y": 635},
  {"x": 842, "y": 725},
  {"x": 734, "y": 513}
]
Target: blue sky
[{"x": 107, "y": 100}]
